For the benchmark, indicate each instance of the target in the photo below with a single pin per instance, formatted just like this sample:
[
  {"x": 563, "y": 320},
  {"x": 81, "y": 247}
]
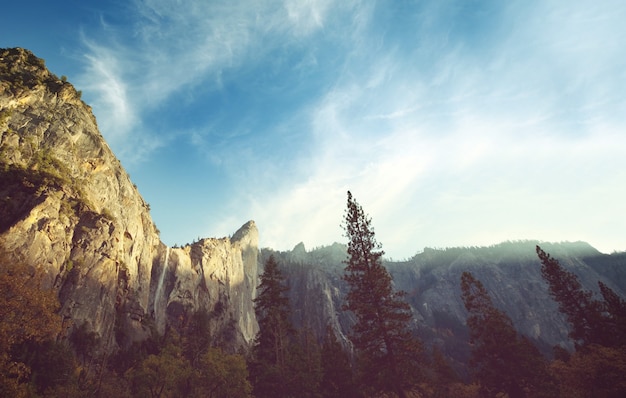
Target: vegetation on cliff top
[{"x": 21, "y": 70}]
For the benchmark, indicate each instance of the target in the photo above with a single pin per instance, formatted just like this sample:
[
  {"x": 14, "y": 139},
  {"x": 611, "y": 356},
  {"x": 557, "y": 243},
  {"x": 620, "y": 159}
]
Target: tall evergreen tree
[
  {"x": 502, "y": 361},
  {"x": 304, "y": 365},
  {"x": 614, "y": 308},
  {"x": 268, "y": 369},
  {"x": 443, "y": 377},
  {"x": 592, "y": 321},
  {"x": 388, "y": 354}
]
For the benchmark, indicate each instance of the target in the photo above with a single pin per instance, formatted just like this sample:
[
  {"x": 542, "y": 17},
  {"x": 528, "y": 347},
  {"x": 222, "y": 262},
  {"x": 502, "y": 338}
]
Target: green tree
[
  {"x": 614, "y": 311},
  {"x": 592, "y": 321},
  {"x": 222, "y": 376},
  {"x": 304, "y": 367},
  {"x": 337, "y": 375},
  {"x": 196, "y": 339},
  {"x": 167, "y": 374},
  {"x": 388, "y": 353},
  {"x": 84, "y": 342},
  {"x": 502, "y": 361},
  {"x": 268, "y": 369},
  {"x": 598, "y": 328},
  {"x": 51, "y": 364}
]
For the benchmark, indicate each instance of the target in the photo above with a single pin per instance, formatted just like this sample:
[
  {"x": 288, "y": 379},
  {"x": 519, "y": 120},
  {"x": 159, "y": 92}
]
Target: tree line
[{"x": 383, "y": 356}]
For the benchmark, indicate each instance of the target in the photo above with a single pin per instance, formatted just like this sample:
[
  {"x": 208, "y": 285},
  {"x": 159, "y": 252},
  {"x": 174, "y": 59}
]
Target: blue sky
[{"x": 452, "y": 122}]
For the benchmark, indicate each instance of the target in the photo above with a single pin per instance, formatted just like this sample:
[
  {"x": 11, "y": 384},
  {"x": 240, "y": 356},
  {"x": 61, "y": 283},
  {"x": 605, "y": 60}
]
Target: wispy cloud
[
  {"x": 181, "y": 48},
  {"x": 451, "y": 124},
  {"x": 506, "y": 146}
]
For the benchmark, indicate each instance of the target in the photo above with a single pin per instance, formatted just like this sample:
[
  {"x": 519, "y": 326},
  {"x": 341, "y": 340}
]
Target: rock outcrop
[{"x": 68, "y": 207}]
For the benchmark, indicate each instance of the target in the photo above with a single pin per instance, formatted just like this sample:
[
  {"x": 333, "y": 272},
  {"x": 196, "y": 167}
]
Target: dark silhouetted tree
[
  {"x": 304, "y": 366},
  {"x": 614, "y": 310},
  {"x": 592, "y": 321},
  {"x": 388, "y": 353},
  {"x": 338, "y": 377},
  {"x": 268, "y": 369},
  {"x": 598, "y": 328},
  {"x": 594, "y": 371},
  {"x": 502, "y": 361},
  {"x": 196, "y": 339},
  {"x": 444, "y": 378}
]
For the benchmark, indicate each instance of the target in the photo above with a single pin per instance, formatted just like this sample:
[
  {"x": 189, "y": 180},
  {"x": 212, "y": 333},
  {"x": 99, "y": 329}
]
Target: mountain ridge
[{"x": 510, "y": 271}]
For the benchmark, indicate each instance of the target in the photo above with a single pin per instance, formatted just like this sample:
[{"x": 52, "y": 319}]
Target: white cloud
[
  {"x": 474, "y": 156},
  {"x": 442, "y": 143},
  {"x": 307, "y": 15},
  {"x": 175, "y": 47},
  {"x": 103, "y": 79}
]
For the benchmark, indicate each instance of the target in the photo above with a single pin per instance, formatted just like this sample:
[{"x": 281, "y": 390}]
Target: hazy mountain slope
[{"x": 510, "y": 271}]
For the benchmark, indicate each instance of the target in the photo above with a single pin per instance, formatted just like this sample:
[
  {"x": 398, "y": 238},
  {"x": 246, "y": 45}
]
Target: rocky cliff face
[
  {"x": 68, "y": 207},
  {"x": 511, "y": 272}
]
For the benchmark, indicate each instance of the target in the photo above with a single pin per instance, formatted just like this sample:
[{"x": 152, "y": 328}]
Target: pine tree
[
  {"x": 592, "y": 321},
  {"x": 268, "y": 369},
  {"x": 338, "y": 378},
  {"x": 388, "y": 354},
  {"x": 614, "y": 308},
  {"x": 502, "y": 361},
  {"x": 304, "y": 365},
  {"x": 443, "y": 376},
  {"x": 598, "y": 328}
]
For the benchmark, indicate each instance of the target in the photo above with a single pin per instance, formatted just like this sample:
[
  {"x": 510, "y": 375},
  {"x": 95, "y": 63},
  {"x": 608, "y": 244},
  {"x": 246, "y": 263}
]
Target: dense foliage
[
  {"x": 290, "y": 363},
  {"x": 502, "y": 361},
  {"x": 592, "y": 321},
  {"x": 598, "y": 328}
]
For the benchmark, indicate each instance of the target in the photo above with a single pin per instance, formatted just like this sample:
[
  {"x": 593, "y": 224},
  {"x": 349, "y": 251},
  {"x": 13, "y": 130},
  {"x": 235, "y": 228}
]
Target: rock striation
[{"x": 68, "y": 207}]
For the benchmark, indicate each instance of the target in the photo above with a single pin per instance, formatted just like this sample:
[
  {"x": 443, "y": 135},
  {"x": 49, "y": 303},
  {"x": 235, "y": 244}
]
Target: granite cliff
[{"x": 68, "y": 207}]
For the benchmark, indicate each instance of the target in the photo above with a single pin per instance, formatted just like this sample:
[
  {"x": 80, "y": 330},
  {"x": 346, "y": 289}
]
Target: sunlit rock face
[
  {"x": 70, "y": 208},
  {"x": 218, "y": 276}
]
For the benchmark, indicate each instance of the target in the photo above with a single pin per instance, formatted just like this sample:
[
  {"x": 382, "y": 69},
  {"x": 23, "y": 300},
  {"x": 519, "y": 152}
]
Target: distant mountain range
[{"x": 510, "y": 271}]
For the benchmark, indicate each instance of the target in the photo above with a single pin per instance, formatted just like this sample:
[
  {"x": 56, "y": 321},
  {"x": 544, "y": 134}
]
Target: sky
[{"x": 452, "y": 122}]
